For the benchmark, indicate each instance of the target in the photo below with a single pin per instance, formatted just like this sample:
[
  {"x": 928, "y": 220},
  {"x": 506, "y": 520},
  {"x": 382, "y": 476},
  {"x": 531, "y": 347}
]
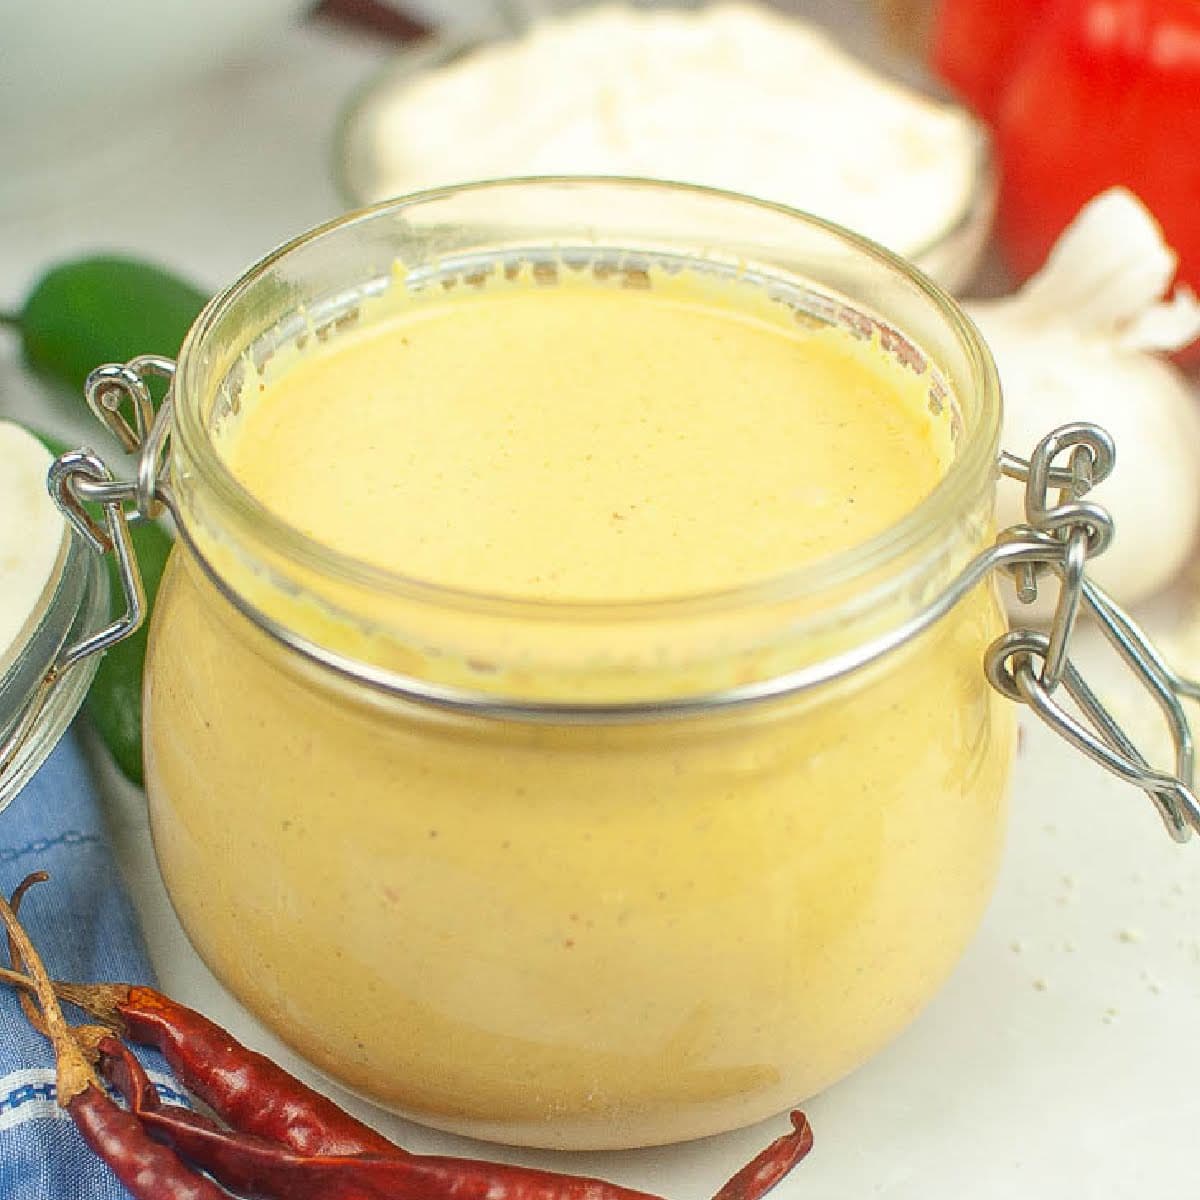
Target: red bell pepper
[
  {"x": 1094, "y": 93},
  {"x": 974, "y": 43}
]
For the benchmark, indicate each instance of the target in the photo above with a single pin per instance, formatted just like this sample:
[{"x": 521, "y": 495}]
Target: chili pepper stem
[
  {"x": 147, "y": 1170},
  {"x": 9, "y": 319},
  {"x": 769, "y": 1166},
  {"x": 28, "y": 1007},
  {"x": 73, "y": 1070},
  {"x": 15, "y": 979},
  {"x": 98, "y": 1000}
]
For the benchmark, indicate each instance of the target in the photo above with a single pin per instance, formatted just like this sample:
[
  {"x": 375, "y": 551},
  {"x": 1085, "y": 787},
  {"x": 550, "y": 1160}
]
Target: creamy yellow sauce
[
  {"x": 572, "y": 934},
  {"x": 587, "y": 442}
]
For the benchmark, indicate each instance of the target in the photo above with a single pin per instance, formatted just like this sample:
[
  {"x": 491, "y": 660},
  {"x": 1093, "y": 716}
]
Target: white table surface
[{"x": 1063, "y": 1057}]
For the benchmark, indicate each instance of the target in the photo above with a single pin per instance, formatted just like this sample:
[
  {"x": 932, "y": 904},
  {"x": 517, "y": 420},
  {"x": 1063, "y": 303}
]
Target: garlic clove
[
  {"x": 1109, "y": 267},
  {"x": 1165, "y": 327}
]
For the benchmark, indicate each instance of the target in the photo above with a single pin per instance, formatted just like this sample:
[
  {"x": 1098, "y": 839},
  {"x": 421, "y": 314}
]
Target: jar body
[
  {"x": 578, "y": 872},
  {"x": 574, "y": 934}
]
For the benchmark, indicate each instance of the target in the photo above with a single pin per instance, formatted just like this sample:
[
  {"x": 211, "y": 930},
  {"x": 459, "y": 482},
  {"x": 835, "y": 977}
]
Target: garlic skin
[
  {"x": 1154, "y": 490},
  {"x": 1077, "y": 343}
]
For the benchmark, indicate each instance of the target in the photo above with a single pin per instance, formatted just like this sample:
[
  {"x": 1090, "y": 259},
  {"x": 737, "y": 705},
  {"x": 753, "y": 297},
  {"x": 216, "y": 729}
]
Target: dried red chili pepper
[
  {"x": 148, "y": 1170},
  {"x": 278, "y": 1121},
  {"x": 25, "y": 999},
  {"x": 245, "y": 1089},
  {"x": 267, "y": 1171},
  {"x": 769, "y": 1166},
  {"x": 251, "y": 1166},
  {"x": 262, "y": 1154}
]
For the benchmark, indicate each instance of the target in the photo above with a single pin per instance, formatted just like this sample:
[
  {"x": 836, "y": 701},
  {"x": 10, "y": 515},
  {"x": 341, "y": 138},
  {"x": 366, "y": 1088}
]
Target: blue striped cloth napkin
[{"x": 85, "y": 928}]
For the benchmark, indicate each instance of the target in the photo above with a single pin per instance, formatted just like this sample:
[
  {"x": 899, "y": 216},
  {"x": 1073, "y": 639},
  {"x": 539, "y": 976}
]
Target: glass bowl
[{"x": 950, "y": 258}]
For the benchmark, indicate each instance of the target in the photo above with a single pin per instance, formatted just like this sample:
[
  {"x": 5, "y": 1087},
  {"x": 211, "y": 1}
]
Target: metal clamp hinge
[
  {"x": 100, "y": 509},
  {"x": 1031, "y": 667}
]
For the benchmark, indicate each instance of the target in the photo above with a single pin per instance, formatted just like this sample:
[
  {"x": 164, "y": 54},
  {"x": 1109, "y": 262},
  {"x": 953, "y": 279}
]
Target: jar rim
[{"x": 974, "y": 460}]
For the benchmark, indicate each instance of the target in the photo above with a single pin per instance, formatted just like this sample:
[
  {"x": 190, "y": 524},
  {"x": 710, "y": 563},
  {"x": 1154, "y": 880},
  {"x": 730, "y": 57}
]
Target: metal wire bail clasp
[
  {"x": 80, "y": 478},
  {"x": 81, "y": 483},
  {"x": 106, "y": 390},
  {"x": 1030, "y": 666}
]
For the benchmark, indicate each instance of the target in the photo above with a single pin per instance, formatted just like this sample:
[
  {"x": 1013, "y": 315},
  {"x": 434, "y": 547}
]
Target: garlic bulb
[
  {"x": 1077, "y": 343},
  {"x": 33, "y": 538}
]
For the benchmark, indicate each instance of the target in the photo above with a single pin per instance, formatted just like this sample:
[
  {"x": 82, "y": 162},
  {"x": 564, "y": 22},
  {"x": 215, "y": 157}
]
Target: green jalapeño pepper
[{"x": 102, "y": 309}]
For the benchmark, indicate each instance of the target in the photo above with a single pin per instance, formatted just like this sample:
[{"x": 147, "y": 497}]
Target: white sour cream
[{"x": 731, "y": 96}]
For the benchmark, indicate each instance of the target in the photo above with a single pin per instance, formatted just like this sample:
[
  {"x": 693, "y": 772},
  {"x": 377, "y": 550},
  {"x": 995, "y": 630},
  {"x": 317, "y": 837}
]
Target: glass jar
[
  {"x": 44, "y": 680},
  {"x": 580, "y": 874},
  {"x": 574, "y": 875}
]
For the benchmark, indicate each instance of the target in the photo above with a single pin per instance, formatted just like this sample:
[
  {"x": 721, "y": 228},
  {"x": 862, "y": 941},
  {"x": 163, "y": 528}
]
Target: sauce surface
[{"x": 584, "y": 441}]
